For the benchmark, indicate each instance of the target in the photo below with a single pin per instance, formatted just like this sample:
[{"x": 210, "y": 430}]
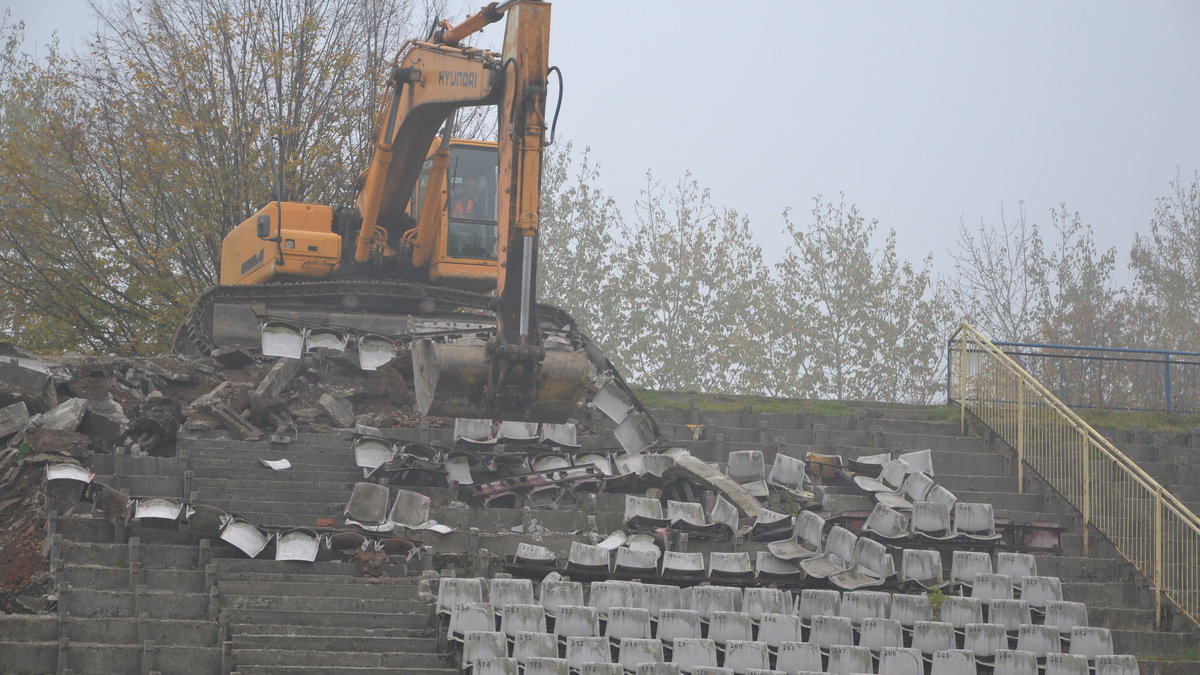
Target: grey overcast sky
[{"x": 921, "y": 112}]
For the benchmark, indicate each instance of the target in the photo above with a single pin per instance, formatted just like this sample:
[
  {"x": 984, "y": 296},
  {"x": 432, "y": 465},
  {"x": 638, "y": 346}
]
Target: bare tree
[{"x": 993, "y": 288}]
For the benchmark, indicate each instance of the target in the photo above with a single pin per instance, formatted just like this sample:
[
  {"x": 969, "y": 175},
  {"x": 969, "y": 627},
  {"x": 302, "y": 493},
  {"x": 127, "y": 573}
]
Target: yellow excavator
[{"x": 435, "y": 224}]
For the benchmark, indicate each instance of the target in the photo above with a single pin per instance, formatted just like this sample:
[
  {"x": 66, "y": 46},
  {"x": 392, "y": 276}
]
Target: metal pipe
[{"x": 526, "y": 284}]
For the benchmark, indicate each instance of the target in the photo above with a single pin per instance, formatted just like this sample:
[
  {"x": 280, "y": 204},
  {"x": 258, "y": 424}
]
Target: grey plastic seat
[
  {"x": 726, "y": 626},
  {"x": 609, "y": 594},
  {"x": 483, "y": 644},
  {"x": 659, "y": 597},
  {"x": 581, "y": 650},
  {"x": 473, "y": 431},
  {"x": 916, "y": 488},
  {"x": 860, "y": 605},
  {"x": 644, "y": 513},
  {"x": 891, "y": 477},
  {"x": 1039, "y": 592},
  {"x": 838, "y": 555},
  {"x": 535, "y": 556},
  {"x": 976, "y": 521},
  {"x": 761, "y": 671},
  {"x": 539, "y": 665},
  {"x": 686, "y": 515},
  {"x": 1040, "y": 640},
  {"x": 627, "y": 622},
  {"x": 555, "y": 593},
  {"x": 659, "y": 668},
  {"x": 990, "y": 587},
  {"x": 1015, "y": 662},
  {"x": 1066, "y": 615},
  {"x": 966, "y": 565},
  {"x": 598, "y": 668},
  {"x": 504, "y": 592},
  {"x": 470, "y": 616},
  {"x": 940, "y": 495},
  {"x": 909, "y": 608},
  {"x": 688, "y": 653},
  {"x": 522, "y": 618},
  {"x": 877, "y": 633},
  {"x": 796, "y": 657},
  {"x": 787, "y": 472},
  {"x": 680, "y": 564},
  {"x": 1016, "y": 565},
  {"x": 1091, "y": 642},
  {"x": 759, "y": 601},
  {"x": 517, "y": 431},
  {"x": 932, "y": 636},
  {"x": 919, "y": 460},
  {"x": 984, "y": 640},
  {"x": 527, "y": 645},
  {"x": 742, "y": 655},
  {"x": 901, "y": 661},
  {"x": 729, "y": 566},
  {"x": 677, "y": 624},
  {"x": 923, "y": 568},
  {"x": 959, "y": 611},
  {"x": 708, "y": 599},
  {"x": 1066, "y": 664},
  {"x": 585, "y": 557},
  {"x": 410, "y": 509},
  {"x": 495, "y": 665},
  {"x": 849, "y": 660},
  {"x": 775, "y": 629},
  {"x": 817, "y": 602},
  {"x": 725, "y": 513},
  {"x": 563, "y": 435},
  {"x": 747, "y": 468},
  {"x": 634, "y": 651},
  {"x": 711, "y": 670},
  {"x": 636, "y": 561},
  {"x": 1117, "y": 664},
  {"x": 953, "y": 662},
  {"x": 576, "y": 621},
  {"x": 932, "y": 521},
  {"x": 886, "y": 522},
  {"x": 770, "y": 569},
  {"x": 828, "y": 631},
  {"x": 805, "y": 541},
  {"x": 1012, "y": 614},
  {"x": 452, "y": 592}
]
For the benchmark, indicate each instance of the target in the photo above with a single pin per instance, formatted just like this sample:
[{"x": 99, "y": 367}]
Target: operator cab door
[{"x": 467, "y": 254}]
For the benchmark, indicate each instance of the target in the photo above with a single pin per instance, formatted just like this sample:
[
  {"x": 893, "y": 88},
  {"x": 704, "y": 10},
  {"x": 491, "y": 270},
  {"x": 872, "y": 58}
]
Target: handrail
[{"x": 1150, "y": 527}]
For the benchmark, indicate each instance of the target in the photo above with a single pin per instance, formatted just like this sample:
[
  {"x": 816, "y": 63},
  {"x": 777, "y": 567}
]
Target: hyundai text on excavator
[{"x": 436, "y": 222}]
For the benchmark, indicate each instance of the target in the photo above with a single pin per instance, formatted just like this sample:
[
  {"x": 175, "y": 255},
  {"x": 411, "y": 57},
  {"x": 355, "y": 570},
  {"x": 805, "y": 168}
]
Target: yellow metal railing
[{"x": 1147, "y": 525}]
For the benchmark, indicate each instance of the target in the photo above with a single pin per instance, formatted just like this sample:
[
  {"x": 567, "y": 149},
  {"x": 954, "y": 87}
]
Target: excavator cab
[{"x": 463, "y": 215}]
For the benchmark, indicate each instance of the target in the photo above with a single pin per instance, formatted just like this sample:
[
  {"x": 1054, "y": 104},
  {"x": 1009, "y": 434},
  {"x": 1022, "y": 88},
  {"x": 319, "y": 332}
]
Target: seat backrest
[
  {"x": 1015, "y": 662},
  {"x": 674, "y": 624},
  {"x": 1117, "y": 664},
  {"x": 481, "y": 644},
  {"x": 798, "y": 656},
  {"x": 745, "y": 466},
  {"x": 1066, "y": 664},
  {"x": 959, "y": 611},
  {"x": 517, "y": 618},
  {"x": 453, "y": 591},
  {"x": 581, "y": 650},
  {"x": 586, "y": 555},
  {"x": 984, "y": 639},
  {"x": 919, "y": 460},
  {"x": 953, "y": 662},
  {"x": 932, "y": 636},
  {"x": 887, "y": 522},
  {"x": 629, "y": 559},
  {"x": 877, "y": 633},
  {"x": 916, "y": 486},
  {"x": 557, "y": 593},
  {"x": 1091, "y": 642},
  {"x": 810, "y": 529},
  {"x": 992, "y": 587},
  {"x": 894, "y": 472},
  {"x": 681, "y": 562},
  {"x": 741, "y": 655},
  {"x": 859, "y": 605},
  {"x": 688, "y": 512},
  {"x": 658, "y": 668},
  {"x": 709, "y": 599},
  {"x": 816, "y": 601},
  {"x": 539, "y": 665},
  {"x": 965, "y": 565},
  {"x": 1066, "y": 615},
  {"x": 848, "y": 660},
  {"x": 901, "y": 661},
  {"x": 608, "y": 594},
  {"x": 1016, "y": 565},
  {"x": 724, "y": 512},
  {"x": 471, "y": 616},
  {"x": 495, "y": 665},
  {"x": 766, "y": 563},
  {"x": 1041, "y": 591},
  {"x": 974, "y": 518},
  {"x": 528, "y": 645},
  {"x": 691, "y": 652},
  {"x": 775, "y": 629},
  {"x": 787, "y": 471},
  {"x": 657, "y": 597},
  {"x": 1040, "y": 640},
  {"x": 601, "y": 668},
  {"x": 729, "y": 563},
  {"x": 908, "y": 609},
  {"x": 841, "y": 543},
  {"x": 1012, "y": 614},
  {"x": 577, "y": 621},
  {"x": 940, "y": 495},
  {"x": 644, "y": 507},
  {"x": 511, "y": 592},
  {"x": 631, "y": 622},
  {"x": 632, "y": 651},
  {"x": 922, "y": 566},
  {"x": 757, "y": 601},
  {"x": 831, "y": 630},
  {"x": 930, "y": 517},
  {"x": 726, "y": 626}
]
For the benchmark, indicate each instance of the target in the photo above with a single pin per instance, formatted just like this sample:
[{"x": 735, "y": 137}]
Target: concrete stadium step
[
  {"x": 300, "y": 589},
  {"x": 145, "y": 486},
  {"x": 156, "y": 555},
  {"x": 292, "y": 631},
  {"x": 251, "y": 465},
  {"x": 332, "y": 670},
  {"x": 102, "y": 657},
  {"x": 318, "y": 603},
  {"x": 354, "y": 659},
  {"x": 133, "y": 631},
  {"x": 85, "y": 528},
  {"x": 336, "y": 643},
  {"x": 408, "y": 583},
  {"x": 28, "y": 628},
  {"x": 88, "y": 603},
  {"x": 118, "y": 577},
  {"x": 1127, "y": 594},
  {"x": 349, "y": 473},
  {"x": 289, "y": 617},
  {"x": 243, "y": 565},
  {"x": 127, "y": 465}
]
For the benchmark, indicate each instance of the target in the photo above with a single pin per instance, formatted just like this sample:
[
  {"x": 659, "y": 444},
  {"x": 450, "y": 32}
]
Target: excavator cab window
[{"x": 472, "y": 203}]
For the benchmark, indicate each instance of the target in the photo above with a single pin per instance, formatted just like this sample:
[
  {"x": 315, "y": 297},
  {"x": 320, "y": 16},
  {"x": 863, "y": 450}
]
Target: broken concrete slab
[
  {"x": 278, "y": 377},
  {"x": 43, "y": 440},
  {"x": 105, "y": 423},
  {"x": 13, "y": 418},
  {"x": 66, "y": 416},
  {"x": 339, "y": 409},
  {"x": 23, "y": 380}
]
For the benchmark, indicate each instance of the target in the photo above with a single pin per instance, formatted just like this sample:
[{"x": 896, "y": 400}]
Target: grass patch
[
  {"x": 1149, "y": 420},
  {"x": 730, "y": 402}
]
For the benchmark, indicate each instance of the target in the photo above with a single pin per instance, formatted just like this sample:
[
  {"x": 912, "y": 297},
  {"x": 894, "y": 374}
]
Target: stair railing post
[
  {"x": 1158, "y": 556},
  {"x": 1020, "y": 435},
  {"x": 962, "y": 381},
  {"x": 1087, "y": 487}
]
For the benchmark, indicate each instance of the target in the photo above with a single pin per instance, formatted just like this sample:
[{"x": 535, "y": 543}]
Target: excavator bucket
[{"x": 450, "y": 379}]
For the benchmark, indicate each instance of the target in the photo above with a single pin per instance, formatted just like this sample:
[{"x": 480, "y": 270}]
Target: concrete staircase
[{"x": 143, "y": 599}]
